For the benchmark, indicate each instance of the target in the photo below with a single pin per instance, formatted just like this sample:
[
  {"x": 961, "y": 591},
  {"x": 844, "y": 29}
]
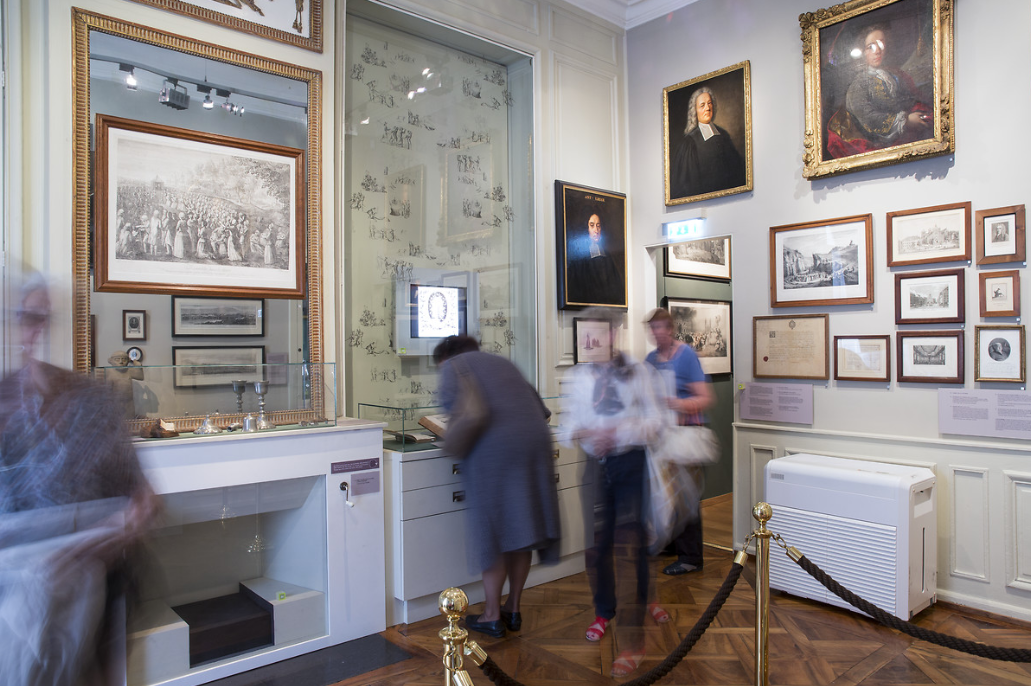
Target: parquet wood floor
[{"x": 810, "y": 644}]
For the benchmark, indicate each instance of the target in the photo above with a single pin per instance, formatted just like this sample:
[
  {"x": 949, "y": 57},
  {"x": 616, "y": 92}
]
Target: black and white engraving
[
  {"x": 929, "y": 355},
  {"x": 822, "y": 259}
]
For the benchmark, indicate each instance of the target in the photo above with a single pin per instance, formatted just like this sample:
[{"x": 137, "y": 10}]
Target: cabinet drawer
[
  {"x": 569, "y": 475},
  {"x": 433, "y": 472},
  {"x": 567, "y": 455},
  {"x": 433, "y": 556},
  {"x": 431, "y": 501}
]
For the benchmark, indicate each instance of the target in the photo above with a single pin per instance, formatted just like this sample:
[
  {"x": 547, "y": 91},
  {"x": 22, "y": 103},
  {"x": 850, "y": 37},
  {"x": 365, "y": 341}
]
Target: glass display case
[
  {"x": 201, "y": 399},
  {"x": 403, "y": 432}
]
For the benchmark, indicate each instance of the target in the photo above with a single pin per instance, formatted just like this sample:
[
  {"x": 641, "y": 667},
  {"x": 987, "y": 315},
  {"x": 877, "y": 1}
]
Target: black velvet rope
[
  {"x": 496, "y": 675},
  {"x": 960, "y": 644}
]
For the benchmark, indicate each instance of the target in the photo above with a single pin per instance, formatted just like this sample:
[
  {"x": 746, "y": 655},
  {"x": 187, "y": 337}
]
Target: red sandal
[
  {"x": 627, "y": 662},
  {"x": 658, "y": 614},
  {"x": 596, "y": 631}
]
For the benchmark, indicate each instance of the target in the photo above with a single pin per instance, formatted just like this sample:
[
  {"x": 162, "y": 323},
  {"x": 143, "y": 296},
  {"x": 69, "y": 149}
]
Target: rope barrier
[
  {"x": 500, "y": 678},
  {"x": 889, "y": 620}
]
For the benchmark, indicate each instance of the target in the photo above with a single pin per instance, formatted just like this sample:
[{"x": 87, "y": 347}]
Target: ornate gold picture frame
[{"x": 878, "y": 84}]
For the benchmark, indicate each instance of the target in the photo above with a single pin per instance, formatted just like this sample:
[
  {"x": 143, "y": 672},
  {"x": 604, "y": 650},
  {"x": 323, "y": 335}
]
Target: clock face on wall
[{"x": 134, "y": 353}]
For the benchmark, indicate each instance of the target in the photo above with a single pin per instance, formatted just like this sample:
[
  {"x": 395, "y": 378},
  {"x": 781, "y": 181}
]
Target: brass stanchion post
[
  {"x": 453, "y": 603},
  {"x": 762, "y": 512}
]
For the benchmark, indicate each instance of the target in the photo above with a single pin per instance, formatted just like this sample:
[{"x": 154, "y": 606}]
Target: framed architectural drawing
[
  {"x": 878, "y": 84},
  {"x": 790, "y": 347},
  {"x": 705, "y": 326},
  {"x": 862, "y": 358},
  {"x": 217, "y": 366},
  {"x": 218, "y": 316},
  {"x": 1000, "y": 354},
  {"x": 929, "y": 234},
  {"x": 591, "y": 247},
  {"x": 708, "y": 135},
  {"x": 930, "y": 356},
  {"x": 298, "y": 22},
  {"x": 1000, "y": 294},
  {"x": 193, "y": 213},
  {"x": 822, "y": 263},
  {"x": 705, "y": 258},
  {"x": 592, "y": 340},
  {"x": 999, "y": 235},
  {"x": 930, "y": 297}
]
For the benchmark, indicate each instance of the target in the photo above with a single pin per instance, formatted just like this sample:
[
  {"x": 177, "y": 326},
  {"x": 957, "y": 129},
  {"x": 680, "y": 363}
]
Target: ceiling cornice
[{"x": 629, "y": 13}]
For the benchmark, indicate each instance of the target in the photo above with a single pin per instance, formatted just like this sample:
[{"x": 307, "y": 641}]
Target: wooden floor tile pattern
[{"x": 811, "y": 644}]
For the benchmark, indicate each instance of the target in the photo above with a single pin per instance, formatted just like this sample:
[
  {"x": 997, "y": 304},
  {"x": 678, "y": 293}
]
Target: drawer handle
[
  {"x": 456, "y": 468},
  {"x": 556, "y": 477},
  {"x": 458, "y": 497},
  {"x": 554, "y": 454}
]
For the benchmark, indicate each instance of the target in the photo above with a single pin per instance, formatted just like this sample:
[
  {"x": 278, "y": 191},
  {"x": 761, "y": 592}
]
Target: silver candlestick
[
  {"x": 260, "y": 389},
  {"x": 239, "y": 387}
]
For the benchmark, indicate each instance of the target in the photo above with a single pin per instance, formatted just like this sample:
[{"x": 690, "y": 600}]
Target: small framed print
[
  {"x": 1000, "y": 353},
  {"x": 929, "y": 234},
  {"x": 930, "y": 297},
  {"x": 706, "y": 258},
  {"x": 592, "y": 340},
  {"x": 705, "y": 326},
  {"x": 930, "y": 356},
  {"x": 822, "y": 263},
  {"x": 217, "y": 365},
  {"x": 134, "y": 325},
  {"x": 999, "y": 235},
  {"x": 790, "y": 347},
  {"x": 217, "y": 316},
  {"x": 862, "y": 358},
  {"x": 1000, "y": 294}
]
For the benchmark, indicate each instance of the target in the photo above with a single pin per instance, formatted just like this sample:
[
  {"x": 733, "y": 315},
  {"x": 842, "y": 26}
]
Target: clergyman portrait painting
[
  {"x": 708, "y": 136},
  {"x": 591, "y": 227}
]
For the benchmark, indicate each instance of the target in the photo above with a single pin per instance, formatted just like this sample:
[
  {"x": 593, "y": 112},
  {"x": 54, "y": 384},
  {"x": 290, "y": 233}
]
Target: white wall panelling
[
  {"x": 761, "y": 455},
  {"x": 571, "y": 34},
  {"x": 970, "y": 521},
  {"x": 1018, "y": 526}
]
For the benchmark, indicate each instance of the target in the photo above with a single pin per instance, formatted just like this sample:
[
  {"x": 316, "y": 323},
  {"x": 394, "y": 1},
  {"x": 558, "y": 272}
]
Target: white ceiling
[{"x": 630, "y": 13}]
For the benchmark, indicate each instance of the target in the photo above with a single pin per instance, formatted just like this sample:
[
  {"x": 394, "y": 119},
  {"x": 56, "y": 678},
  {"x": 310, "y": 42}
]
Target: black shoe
[
  {"x": 495, "y": 629},
  {"x": 677, "y": 568},
  {"x": 512, "y": 620}
]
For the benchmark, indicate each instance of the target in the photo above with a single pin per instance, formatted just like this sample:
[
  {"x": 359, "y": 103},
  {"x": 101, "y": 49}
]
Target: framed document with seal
[{"x": 790, "y": 347}]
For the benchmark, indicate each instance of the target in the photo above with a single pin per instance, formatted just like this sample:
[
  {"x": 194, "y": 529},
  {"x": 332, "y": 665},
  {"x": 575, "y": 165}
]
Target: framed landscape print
[
  {"x": 705, "y": 258},
  {"x": 217, "y": 366},
  {"x": 134, "y": 325},
  {"x": 218, "y": 316},
  {"x": 822, "y": 263},
  {"x": 862, "y": 358},
  {"x": 592, "y": 340},
  {"x": 591, "y": 247},
  {"x": 930, "y": 356},
  {"x": 298, "y": 23},
  {"x": 790, "y": 347},
  {"x": 707, "y": 133},
  {"x": 929, "y": 234},
  {"x": 999, "y": 235},
  {"x": 705, "y": 326},
  {"x": 192, "y": 213},
  {"x": 1000, "y": 354},
  {"x": 1000, "y": 294},
  {"x": 878, "y": 84},
  {"x": 930, "y": 297}
]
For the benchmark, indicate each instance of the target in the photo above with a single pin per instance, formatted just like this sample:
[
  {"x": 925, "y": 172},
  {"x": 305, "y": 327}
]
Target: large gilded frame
[
  {"x": 83, "y": 23},
  {"x": 817, "y": 162}
]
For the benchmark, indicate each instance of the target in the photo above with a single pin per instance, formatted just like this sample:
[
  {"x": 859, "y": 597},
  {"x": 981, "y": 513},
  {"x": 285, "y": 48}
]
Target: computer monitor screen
[{"x": 437, "y": 311}]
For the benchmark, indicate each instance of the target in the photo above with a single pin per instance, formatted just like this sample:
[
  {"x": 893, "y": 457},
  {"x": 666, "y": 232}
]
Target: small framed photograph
[
  {"x": 217, "y": 366},
  {"x": 1000, "y": 353},
  {"x": 705, "y": 326},
  {"x": 1000, "y": 294},
  {"x": 930, "y": 297},
  {"x": 929, "y": 234},
  {"x": 705, "y": 258},
  {"x": 592, "y": 340},
  {"x": 134, "y": 325},
  {"x": 999, "y": 235},
  {"x": 218, "y": 316},
  {"x": 930, "y": 356},
  {"x": 822, "y": 263},
  {"x": 790, "y": 347},
  {"x": 862, "y": 358}
]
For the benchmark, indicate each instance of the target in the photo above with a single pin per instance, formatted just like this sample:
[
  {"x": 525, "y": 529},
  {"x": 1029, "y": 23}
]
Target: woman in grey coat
[{"x": 508, "y": 476}]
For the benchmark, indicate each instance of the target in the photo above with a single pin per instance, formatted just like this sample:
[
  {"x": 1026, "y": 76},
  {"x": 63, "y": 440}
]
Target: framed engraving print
[
  {"x": 999, "y": 235},
  {"x": 218, "y": 316},
  {"x": 706, "y": 258},
  {"x": 705, "y": 326},
  {"x": 1000, "y": 353},
  {"x": 134, "y": 325},
  {"x": 929, "y": 234},
  {"x": 862, "y": 358},
  {"x": 790, "y": 347},
  {"x": 592, "y": 340},
  {"x": 707, "y": 134},
  {"x": 878, "y": 84},
  {"x": 1000, "y": 294},
  {"x": 591, "y": 247},
  {"x": 217, "y": 366},
  {"x": 930, "y": 356},
  {"x": 930, "y": 297},
  {"x": 822, "y": 263}
]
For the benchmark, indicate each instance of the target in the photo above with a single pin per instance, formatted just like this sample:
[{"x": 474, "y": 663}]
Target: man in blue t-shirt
[{"x": 693, "y": 397}]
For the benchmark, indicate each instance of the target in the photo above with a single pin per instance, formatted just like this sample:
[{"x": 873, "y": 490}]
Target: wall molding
[
  {"x": 1018, "y": 529},
  {"x": 964, "y": 537}
]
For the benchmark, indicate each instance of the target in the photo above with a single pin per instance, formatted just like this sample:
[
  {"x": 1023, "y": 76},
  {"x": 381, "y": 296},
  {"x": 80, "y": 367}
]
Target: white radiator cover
[{"x": 871, "y": 526}]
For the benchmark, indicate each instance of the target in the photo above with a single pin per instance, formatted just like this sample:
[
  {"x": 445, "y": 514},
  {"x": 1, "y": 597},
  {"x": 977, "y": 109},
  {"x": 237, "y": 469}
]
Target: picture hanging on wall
[
  {"x": 592, "y": 340},
  {"x": 706, "y": 258},
  {"x": 591, "y": 247},
  {"x": 930, "y": 297},
  {"x": 1000, "y": 353},
  {"x": 705, "y": 326},
  {"x": 929, "y": 234},
  {"x": 1000, "y": 294},
  {"x": 790, "y": 347},
  {"x": 470, "y": 197},
  {"x": 218, "y": 316},
  {"x": 134, "y": 325},
  {"x": 999, "y": 235},
  {"x": 822, "y": 263},
  {"x": 708, "y": 135},
  {"x": 878, "y": 84},
  {"x": 930, "y": 356},
  {"x": 217, "y": 366},
  {"x": 298, "y": 23},
  {"x": 862, "y": 358},
  {"x": 192, "y": 213}
]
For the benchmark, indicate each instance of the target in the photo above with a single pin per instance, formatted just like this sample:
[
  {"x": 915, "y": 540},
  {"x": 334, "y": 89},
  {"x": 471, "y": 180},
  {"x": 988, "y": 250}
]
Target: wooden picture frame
[
  {"x": 936, "y": 297},
  {"x": 847, "y": 68},
  {"x": 999, "y": 235},
  {"x": 591, "y": 256},
  {"x": 279, "y": 21},
  {"x": 1000, "y": 353},
  {"x": 705, "y": 325},
  {"x": 201, "y": 366},
  {"x": 862, "y": 358},
  {"x": 708, "y": 159},
  {"x": 925, "y": 235},
  {"x": 929, "y": 356},
  {"x": 134, "y": 325},
  {"x": 592, "y": 340},
  {"x": 999, "y": 293},
  {"x": 197, "y": 317},
  {"x": 826, "y": 262},
  {"x": 148, "y": 173},
  {"x": 704, "y": 258},
  {"x": 790, "y": 347}
]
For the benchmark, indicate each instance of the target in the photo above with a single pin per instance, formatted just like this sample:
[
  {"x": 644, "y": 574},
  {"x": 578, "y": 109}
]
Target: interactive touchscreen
[{"x": 438, "y": 311}]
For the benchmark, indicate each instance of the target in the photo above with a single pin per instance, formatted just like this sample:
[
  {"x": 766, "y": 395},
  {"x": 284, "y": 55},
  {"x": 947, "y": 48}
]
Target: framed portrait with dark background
[{"x": 591, "y": 247}]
